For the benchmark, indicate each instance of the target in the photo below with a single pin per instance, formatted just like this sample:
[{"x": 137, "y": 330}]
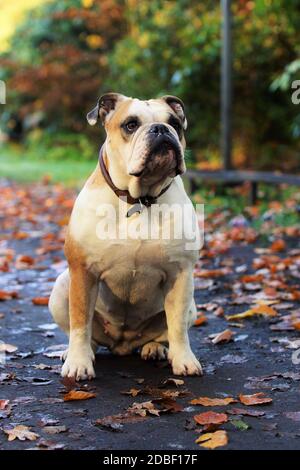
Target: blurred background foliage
[{"x": 64, "y": 53}]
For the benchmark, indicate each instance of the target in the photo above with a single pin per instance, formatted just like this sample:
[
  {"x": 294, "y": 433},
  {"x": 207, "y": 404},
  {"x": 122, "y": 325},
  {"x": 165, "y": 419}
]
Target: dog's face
[{"x": 146, "y": 136}]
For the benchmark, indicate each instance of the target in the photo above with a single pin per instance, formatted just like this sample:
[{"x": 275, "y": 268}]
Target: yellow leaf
[
  {"x": 211, "y": 440},
  {"x": 21, "y": 432},
  {"x": 256, "y": 310},
  {"x": 78, "y": 395},
  {"x": 205, "y": 401}
]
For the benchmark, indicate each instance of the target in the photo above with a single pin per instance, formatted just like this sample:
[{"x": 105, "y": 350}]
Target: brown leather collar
[{"x": 124, "y": 193}]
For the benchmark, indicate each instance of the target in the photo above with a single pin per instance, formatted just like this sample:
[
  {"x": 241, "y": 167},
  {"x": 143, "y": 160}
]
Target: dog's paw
[
  {"x": 79, "y": 366},
  {"x": 154, "y": 350},
  {"x": 185, "y": 363}
]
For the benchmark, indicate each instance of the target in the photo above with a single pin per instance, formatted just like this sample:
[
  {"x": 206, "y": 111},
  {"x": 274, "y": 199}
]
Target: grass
[{"x": 29, "y": 169}]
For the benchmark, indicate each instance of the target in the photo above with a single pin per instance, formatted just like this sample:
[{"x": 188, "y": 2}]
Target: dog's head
[{"x": 147, "y": 137}]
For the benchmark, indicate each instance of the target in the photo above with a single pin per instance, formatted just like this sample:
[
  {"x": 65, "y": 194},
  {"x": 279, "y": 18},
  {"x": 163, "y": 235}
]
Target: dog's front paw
[
  {"x": 79, "y": 365},
  {"x": 185, "y": 363},
  {"x": 154, "y": 350}
]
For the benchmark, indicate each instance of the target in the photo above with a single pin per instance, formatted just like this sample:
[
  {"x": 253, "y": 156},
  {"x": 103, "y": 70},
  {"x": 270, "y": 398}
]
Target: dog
[{"x": 130, "y": 293}]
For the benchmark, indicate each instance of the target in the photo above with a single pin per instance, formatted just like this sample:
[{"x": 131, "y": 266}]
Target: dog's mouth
[{"x": 164, "y": 156}]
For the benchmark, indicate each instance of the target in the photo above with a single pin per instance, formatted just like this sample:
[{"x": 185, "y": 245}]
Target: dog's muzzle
[{"x": 164, "y": 153}]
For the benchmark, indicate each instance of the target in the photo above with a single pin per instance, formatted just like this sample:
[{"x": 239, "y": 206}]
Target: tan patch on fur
[{"x": 113, "y": 124}]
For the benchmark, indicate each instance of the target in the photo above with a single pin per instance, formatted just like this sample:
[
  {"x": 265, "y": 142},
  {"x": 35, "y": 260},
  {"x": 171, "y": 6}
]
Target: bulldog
[{"x": 131, "y": 292}]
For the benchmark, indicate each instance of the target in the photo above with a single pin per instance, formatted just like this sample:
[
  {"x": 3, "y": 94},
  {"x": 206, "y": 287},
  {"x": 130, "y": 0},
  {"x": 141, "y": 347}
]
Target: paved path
[{"x": 35, "y": 395}]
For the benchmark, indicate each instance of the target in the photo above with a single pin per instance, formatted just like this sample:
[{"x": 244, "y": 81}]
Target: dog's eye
[
  {"x": 177, "y": 126},
  {"x": 131, "y": 126}
]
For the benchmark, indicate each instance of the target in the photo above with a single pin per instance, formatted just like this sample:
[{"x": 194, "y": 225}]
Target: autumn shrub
[{"x": 68, "y": 52}]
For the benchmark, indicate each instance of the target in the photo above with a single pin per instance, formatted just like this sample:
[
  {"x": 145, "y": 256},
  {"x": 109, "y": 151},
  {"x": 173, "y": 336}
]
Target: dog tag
[{"x": 136, "y": 208}]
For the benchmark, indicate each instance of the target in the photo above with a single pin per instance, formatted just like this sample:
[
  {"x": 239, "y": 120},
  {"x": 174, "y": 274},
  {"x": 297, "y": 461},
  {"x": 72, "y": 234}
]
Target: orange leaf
[
  {"x": 210, "y": 417},
  {"x": 256, "y": 310},
  {"x": 6, "y": 295},
  {"x": 278, "y": 245},
  {"x": 40, "y": 300},
  {"x": 3, "y": 404},
  {"x": 211, "y": 440},
  {"x": 255, "y": 399},
  {"x": 252, "y": 278},
  {"x": 223, "y": 337},
  {"x": 209, "y": 273},
  {"x": 78, "y": 395},
  {"x": 205, "y": 401},
  {"x": 200, "y": 320}
]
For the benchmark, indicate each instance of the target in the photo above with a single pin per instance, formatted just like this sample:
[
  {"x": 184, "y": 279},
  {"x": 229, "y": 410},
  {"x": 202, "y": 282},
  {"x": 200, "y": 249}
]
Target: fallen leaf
[
  {"x": 223, "y": 337},
  {"x": 132, "y": 392},
  {"x": 205, "y": 401},
  {"x": 278, "y": 245},
  {"x": 255, "y": 399},
  {"x": 246, "y": 412},
  {"x": 239, "y": 424},
  {"x": 55, "y": 429},
  {"x": 40, "y": 300},
  {"x": 256, "y": 310},
  {"x": 3, "y": 404},
  {"x": 8, "y": 295},
  {"x": 210, "y": 417},
  {"x": 209, "y": 273},
  {"x": 213, "y": 440},
  {"x": 176, "y": 382},
  {"x": 21, "y": 432},
  {"x": 144, "y": 408},
  {"x": 78, "y": 395},
  {"x": 200, "y": 320},
  {"x": 49, "y": 445},
  {"x": 7, "y": 348},
  {"x": 112, "y": 422}
]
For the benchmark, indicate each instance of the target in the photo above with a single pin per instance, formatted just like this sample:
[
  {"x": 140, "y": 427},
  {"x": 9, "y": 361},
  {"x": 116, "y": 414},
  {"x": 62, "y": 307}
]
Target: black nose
[{"x": 159, "y": 129}]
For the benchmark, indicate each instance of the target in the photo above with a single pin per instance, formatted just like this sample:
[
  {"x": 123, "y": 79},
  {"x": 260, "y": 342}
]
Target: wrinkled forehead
[{"x": 147, "y": 111}]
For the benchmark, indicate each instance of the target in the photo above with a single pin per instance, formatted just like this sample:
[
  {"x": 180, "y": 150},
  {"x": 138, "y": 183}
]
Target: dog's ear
[
  {"x": 105, "y": 105},
  {"x": 178, "y": 107}
]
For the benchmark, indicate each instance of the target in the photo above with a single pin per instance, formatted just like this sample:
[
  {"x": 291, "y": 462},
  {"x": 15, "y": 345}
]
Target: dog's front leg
[
  {"x": 82, "y": 299},
  {"x": 178, "y": 302}
]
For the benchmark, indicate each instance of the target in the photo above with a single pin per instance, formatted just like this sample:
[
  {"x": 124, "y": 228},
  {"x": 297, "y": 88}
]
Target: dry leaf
[
  {"x": 209, "y": 273},
  {"x": 242, "y": 412},
  {"x": 278, "y": 245},
  {"x": 40, "y": 300},
  {"x": 21, "y": 432},
  {"x": 255, "y": 399},
  {"x": 78, "y": 395},
  {"x": 55, "y": 429},
  {"x": 212, "y": 440},
  {"x": 256, "y": 310},
  {"x": 210, "y": 417},
  {"x": 3, "y": 404},
  {"x": 7, "y": 348},
  {"x": 6, "y": 295},
  {"x": 144, "y": 408},
  {"x": 200, "y": 320},
  {"x": 205, "y": 401},
  {"x": 170, "y": 380},
  {"x": 223, "y": 337},
  {"x": 132, "y": 392}
]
